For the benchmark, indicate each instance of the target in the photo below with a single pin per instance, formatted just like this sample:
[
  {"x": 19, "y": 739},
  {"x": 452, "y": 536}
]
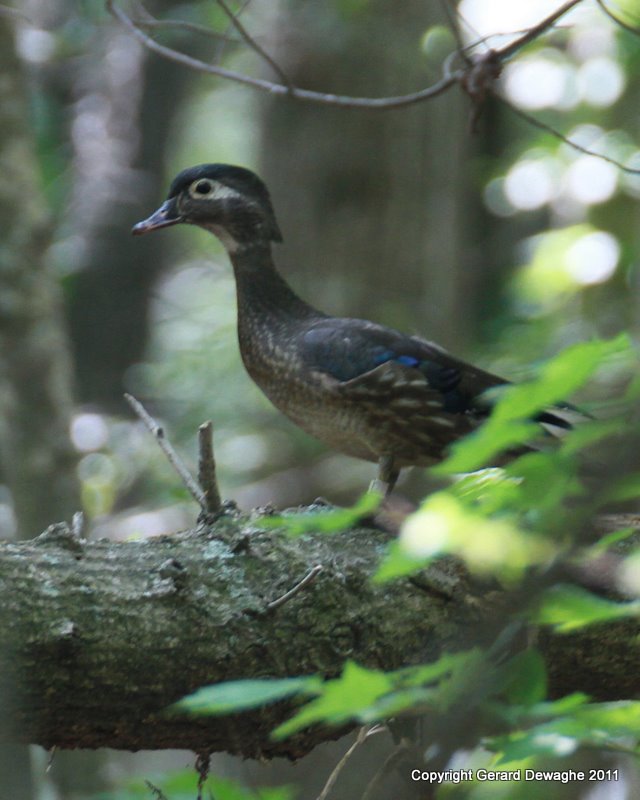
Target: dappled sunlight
[
  {"x": 488, "y": 546},
  {"x": 562, "y": 262}
]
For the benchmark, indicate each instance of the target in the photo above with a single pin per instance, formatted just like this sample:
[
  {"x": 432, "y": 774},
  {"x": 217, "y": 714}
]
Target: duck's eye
[{"x": 202, "y": 187}]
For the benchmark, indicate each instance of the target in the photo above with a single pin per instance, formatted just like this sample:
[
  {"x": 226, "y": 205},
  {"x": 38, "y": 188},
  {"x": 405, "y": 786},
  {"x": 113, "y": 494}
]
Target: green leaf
[
  {"x": 632, "y": 392},
  {"x": 592, "y": 724},
  {"x": 342, "y": 699},
  {"x": 590, "y": 433},
  {"x": 626, "y": 488},
  {"x": 526, "y": 679},
  {"x": 234, "y": 696},
  {"x": 398, "y": 562},
  {"x": 226, "y": 789},
  {"x": 443, "y": 524},
  {"x": 182, "y": 785},
  {"x": 613, "y": 719},
  {"x": 478, "y": 448},
  {"x": 488, "y": 490},
  {"x": 332, "y": 521},
  {"x": 568, "y": 608},
  {"x": 429, "y": 673},
  {"x": 610, "y": 539},
  {"x": 510, "y": 422},
  {"x": 547, "y": 480}
]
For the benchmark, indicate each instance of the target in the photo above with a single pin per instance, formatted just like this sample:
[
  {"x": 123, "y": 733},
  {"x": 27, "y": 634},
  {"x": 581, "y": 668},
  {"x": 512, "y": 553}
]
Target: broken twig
[
  {"x": 173, "y": 458},
  {"x": 207, "y": 469},
  {"x": 280, "y": 601}
]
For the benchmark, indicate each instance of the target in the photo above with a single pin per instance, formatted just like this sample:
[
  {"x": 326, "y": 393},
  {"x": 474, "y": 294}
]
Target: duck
[{"x": 363, "y": 389}]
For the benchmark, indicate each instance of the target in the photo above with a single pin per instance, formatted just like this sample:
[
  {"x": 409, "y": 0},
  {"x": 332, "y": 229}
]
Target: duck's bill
[{"x": 166, "y": 215}]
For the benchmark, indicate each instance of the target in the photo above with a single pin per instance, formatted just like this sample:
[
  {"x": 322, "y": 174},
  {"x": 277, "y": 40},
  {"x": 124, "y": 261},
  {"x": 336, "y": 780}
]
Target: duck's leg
[{"x": 387, "y": 476}]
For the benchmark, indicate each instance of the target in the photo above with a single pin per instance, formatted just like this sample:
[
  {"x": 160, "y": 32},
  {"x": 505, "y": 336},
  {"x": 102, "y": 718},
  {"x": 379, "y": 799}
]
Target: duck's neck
[{"x": 261, "y": 290}]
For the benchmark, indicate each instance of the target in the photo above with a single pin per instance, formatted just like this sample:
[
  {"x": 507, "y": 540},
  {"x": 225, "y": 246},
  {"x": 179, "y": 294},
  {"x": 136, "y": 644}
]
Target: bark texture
[{"x": 100, "y": 637}]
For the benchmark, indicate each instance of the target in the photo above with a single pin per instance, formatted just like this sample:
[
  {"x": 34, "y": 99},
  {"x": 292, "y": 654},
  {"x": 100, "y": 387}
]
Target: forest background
[{"x": 463, "y": 217}]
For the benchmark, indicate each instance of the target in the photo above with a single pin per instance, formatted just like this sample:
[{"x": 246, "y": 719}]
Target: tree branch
[
  {"x": 565, "y": 139},
  {"x": 278, "y": 88},
  {"x": 246, "y": 36},
  {"x": 99, "y": 638},
  {"x": 207, "y": 469},
  {"x": 157, "y": 431},
  {"x": 477, "y": 76},
  {"x": 150, "y": 22},
  {"x": 537, "y": 30},
  {"x": 287, "y": 88}
]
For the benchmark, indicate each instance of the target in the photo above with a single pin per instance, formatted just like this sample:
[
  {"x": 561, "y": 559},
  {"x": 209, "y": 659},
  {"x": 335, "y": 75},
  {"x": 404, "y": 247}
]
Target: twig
[
  {"x": 385, "y": 769},
  {"x": 157, "y": 793},
  {"x": 51, "y": 754},
  {"x": 149, "y": 21},
  {"x": 629, "y": 28},
  {"x": 533, "y": 33},
  {"x": 452, "y": 19},
  {"x": 207, "y": 469},
  {"x": 78, "y": 525},
  {"x": 174, "y": 459},
  {"x": 362, "y": 735},
  {"x": 222, "y": 45},
  {"x": 286, "y": 88},
  {"x": 280, "y": 601},
  {"x": 550, "y": 129},
  {"x": 178, "y": 24},
  {"x": 255, "y": 46},
  {"x": 277, "y": 88},
  {"x": 203, "y": 764},
  {"x": 467, "y": 77}
]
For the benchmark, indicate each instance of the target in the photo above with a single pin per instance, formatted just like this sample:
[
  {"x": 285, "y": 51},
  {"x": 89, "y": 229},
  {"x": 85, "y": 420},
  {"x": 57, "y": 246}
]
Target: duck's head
[{"x": 231, "y": 202}]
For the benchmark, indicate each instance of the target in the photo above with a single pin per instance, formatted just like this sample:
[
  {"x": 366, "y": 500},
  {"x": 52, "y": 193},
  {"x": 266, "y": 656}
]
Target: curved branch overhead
[
  {"x": 279, "y": 88},
  {"x": 477, "y": 77}
]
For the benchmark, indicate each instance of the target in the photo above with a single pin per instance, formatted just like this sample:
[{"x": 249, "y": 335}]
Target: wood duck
[{"x": 363, "y": 389}]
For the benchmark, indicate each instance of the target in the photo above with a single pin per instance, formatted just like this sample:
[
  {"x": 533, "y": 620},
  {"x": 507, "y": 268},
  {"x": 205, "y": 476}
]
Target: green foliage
[
  {"x": 182, "y": 785},
  {"x": 225, "y": 789},
  {"x": 526, "y": 679},
  {"x": 559, "y": 729},
  {"x": 330, "y": 521},
  {"x": 235, "y": 696},
  {"x": 568, "y": 608},
  {"x": 352, "y": 696},
  {"x": 444, "y": 524},
  {"x": 503, "y": 522},
  {"x": 541, "y": 281},
  {"x": 360, "y": 694},
  {"x": 510, "y": 423},
  {"x": 611, "y": 539}
]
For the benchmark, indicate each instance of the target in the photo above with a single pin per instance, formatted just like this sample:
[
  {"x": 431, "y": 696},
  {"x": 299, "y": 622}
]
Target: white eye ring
[{"x": 202, "y": 188}]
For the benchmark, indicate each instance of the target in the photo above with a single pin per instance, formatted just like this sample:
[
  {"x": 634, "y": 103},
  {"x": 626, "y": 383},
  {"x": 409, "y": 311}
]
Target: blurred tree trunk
[
  {"x": 37, "y": 458},
  {"x": 37, "y": 461},
  {"x": 375, "y": 206},
  {"x": 119, "y": 174}
]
